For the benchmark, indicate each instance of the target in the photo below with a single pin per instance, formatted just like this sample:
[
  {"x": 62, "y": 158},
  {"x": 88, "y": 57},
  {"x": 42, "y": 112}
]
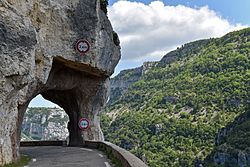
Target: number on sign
[{"x": 82, "y": 46}]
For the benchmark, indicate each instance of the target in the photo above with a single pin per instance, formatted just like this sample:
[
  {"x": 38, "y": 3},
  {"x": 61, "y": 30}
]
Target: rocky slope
[
  {"x": 38, "y": 56},
  {"x": 173, "y": 113}
]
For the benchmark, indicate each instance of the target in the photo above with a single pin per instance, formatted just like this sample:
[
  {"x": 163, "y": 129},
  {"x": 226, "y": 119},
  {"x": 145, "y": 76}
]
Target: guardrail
[{"x": 120, "y": 156}]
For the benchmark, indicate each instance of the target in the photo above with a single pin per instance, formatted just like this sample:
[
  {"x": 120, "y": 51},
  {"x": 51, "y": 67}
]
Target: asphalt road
[{"x": 54, "y": 156}]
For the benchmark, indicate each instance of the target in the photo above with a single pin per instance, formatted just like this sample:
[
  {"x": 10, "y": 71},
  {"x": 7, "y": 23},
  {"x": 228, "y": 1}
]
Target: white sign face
[
  {"x": 84, "y": 124},
  {"x": 82, "y": 46}
]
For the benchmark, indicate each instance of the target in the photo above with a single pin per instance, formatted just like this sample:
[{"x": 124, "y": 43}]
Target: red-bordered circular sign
[
  {"x": 82, "y": 46},
  {"x": 84, "y": 123}
]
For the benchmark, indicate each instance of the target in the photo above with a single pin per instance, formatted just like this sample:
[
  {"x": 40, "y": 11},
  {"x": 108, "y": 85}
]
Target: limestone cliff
[
  {"x": 37, "y": 56},
  {"x": 232, "y": 144},
  {"x": 44, "y": 124}
]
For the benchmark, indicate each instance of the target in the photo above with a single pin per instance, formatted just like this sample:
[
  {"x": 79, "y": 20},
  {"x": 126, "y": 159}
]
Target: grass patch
[
  {"x": 22, "y": 162},
  {"x": 108, "y": 152}
]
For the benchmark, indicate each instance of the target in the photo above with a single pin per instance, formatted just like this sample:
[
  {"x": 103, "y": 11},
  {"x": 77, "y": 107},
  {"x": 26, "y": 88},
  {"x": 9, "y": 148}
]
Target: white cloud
[{"x": 147, "y": 32}]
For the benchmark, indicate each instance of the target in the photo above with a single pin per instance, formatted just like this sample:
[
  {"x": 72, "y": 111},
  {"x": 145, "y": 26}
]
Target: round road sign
[
  {"x": 82, "y": 46},
  {"x": 84, "y": 123}
]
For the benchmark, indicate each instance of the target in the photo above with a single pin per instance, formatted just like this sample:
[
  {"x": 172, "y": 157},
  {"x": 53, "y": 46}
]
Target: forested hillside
[{"x": 172, "y": 115}]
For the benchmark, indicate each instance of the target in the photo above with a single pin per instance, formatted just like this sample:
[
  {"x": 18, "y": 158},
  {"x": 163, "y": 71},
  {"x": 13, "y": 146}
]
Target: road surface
[{"x": 56, "y": 156}]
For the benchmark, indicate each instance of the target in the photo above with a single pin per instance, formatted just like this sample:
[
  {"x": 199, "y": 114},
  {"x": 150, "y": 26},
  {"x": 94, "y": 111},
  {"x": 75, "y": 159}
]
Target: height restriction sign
[
  {"x": 82, "y": 46},
  {"x": 84, "y": 123}
]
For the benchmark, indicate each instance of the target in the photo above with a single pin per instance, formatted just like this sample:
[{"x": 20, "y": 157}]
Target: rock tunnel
[
  {"x": 80, "y": 94},
  {"x": 38, "y": 56}
]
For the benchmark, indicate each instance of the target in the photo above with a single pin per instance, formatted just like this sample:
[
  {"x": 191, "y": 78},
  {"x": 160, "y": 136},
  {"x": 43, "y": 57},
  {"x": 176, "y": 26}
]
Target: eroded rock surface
[{"x": 37, "y": 56}]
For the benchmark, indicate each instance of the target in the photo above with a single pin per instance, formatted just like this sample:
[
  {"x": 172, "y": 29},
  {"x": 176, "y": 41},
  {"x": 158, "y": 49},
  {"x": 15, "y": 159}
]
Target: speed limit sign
[{"x": 82, "y": 46}]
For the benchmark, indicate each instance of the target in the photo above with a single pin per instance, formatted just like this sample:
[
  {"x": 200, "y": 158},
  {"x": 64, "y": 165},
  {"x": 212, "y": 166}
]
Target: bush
[
  {"x": 22, "y": 162},
  {"x": 104, "y": 4},
  {"x": 116, "y": 39}
]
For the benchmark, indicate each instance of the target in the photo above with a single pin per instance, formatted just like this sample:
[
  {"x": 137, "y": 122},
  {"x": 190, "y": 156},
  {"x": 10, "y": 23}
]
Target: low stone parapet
[
  {"x": 118, "y": 155},
  {"x": 123, "y": 157}
]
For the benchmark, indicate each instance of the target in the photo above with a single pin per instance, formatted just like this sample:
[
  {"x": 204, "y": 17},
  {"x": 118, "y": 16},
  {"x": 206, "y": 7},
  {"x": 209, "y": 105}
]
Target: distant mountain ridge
[
  {"x": 184, "y": 51},
  {"x": 120, "y": 84}
]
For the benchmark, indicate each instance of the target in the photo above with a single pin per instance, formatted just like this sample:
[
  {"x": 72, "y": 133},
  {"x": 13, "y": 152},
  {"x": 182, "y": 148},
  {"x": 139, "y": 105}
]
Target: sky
[{"x": 150, "y": 29}]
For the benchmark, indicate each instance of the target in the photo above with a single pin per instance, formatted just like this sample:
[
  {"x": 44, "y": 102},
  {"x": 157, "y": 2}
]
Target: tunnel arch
[{"x": 79, "y": 93}]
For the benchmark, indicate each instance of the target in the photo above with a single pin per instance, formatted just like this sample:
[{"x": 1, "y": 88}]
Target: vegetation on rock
[
  {"x": 22, "y": 162},
  {"x": 116, "y": 39},
  {"x": 103, "y": 5}
]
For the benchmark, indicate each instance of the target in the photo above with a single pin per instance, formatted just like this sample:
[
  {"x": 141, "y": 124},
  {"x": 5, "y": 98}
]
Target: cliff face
[
  {"x": 37, "y": 56},
  {"x": 232, "y": 144},
  {"x": 44, "y": 124},
  {"x": 120, "y": 83}
]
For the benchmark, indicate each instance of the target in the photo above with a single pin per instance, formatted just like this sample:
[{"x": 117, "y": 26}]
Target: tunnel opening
[{"x": 44, "y": 121}]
